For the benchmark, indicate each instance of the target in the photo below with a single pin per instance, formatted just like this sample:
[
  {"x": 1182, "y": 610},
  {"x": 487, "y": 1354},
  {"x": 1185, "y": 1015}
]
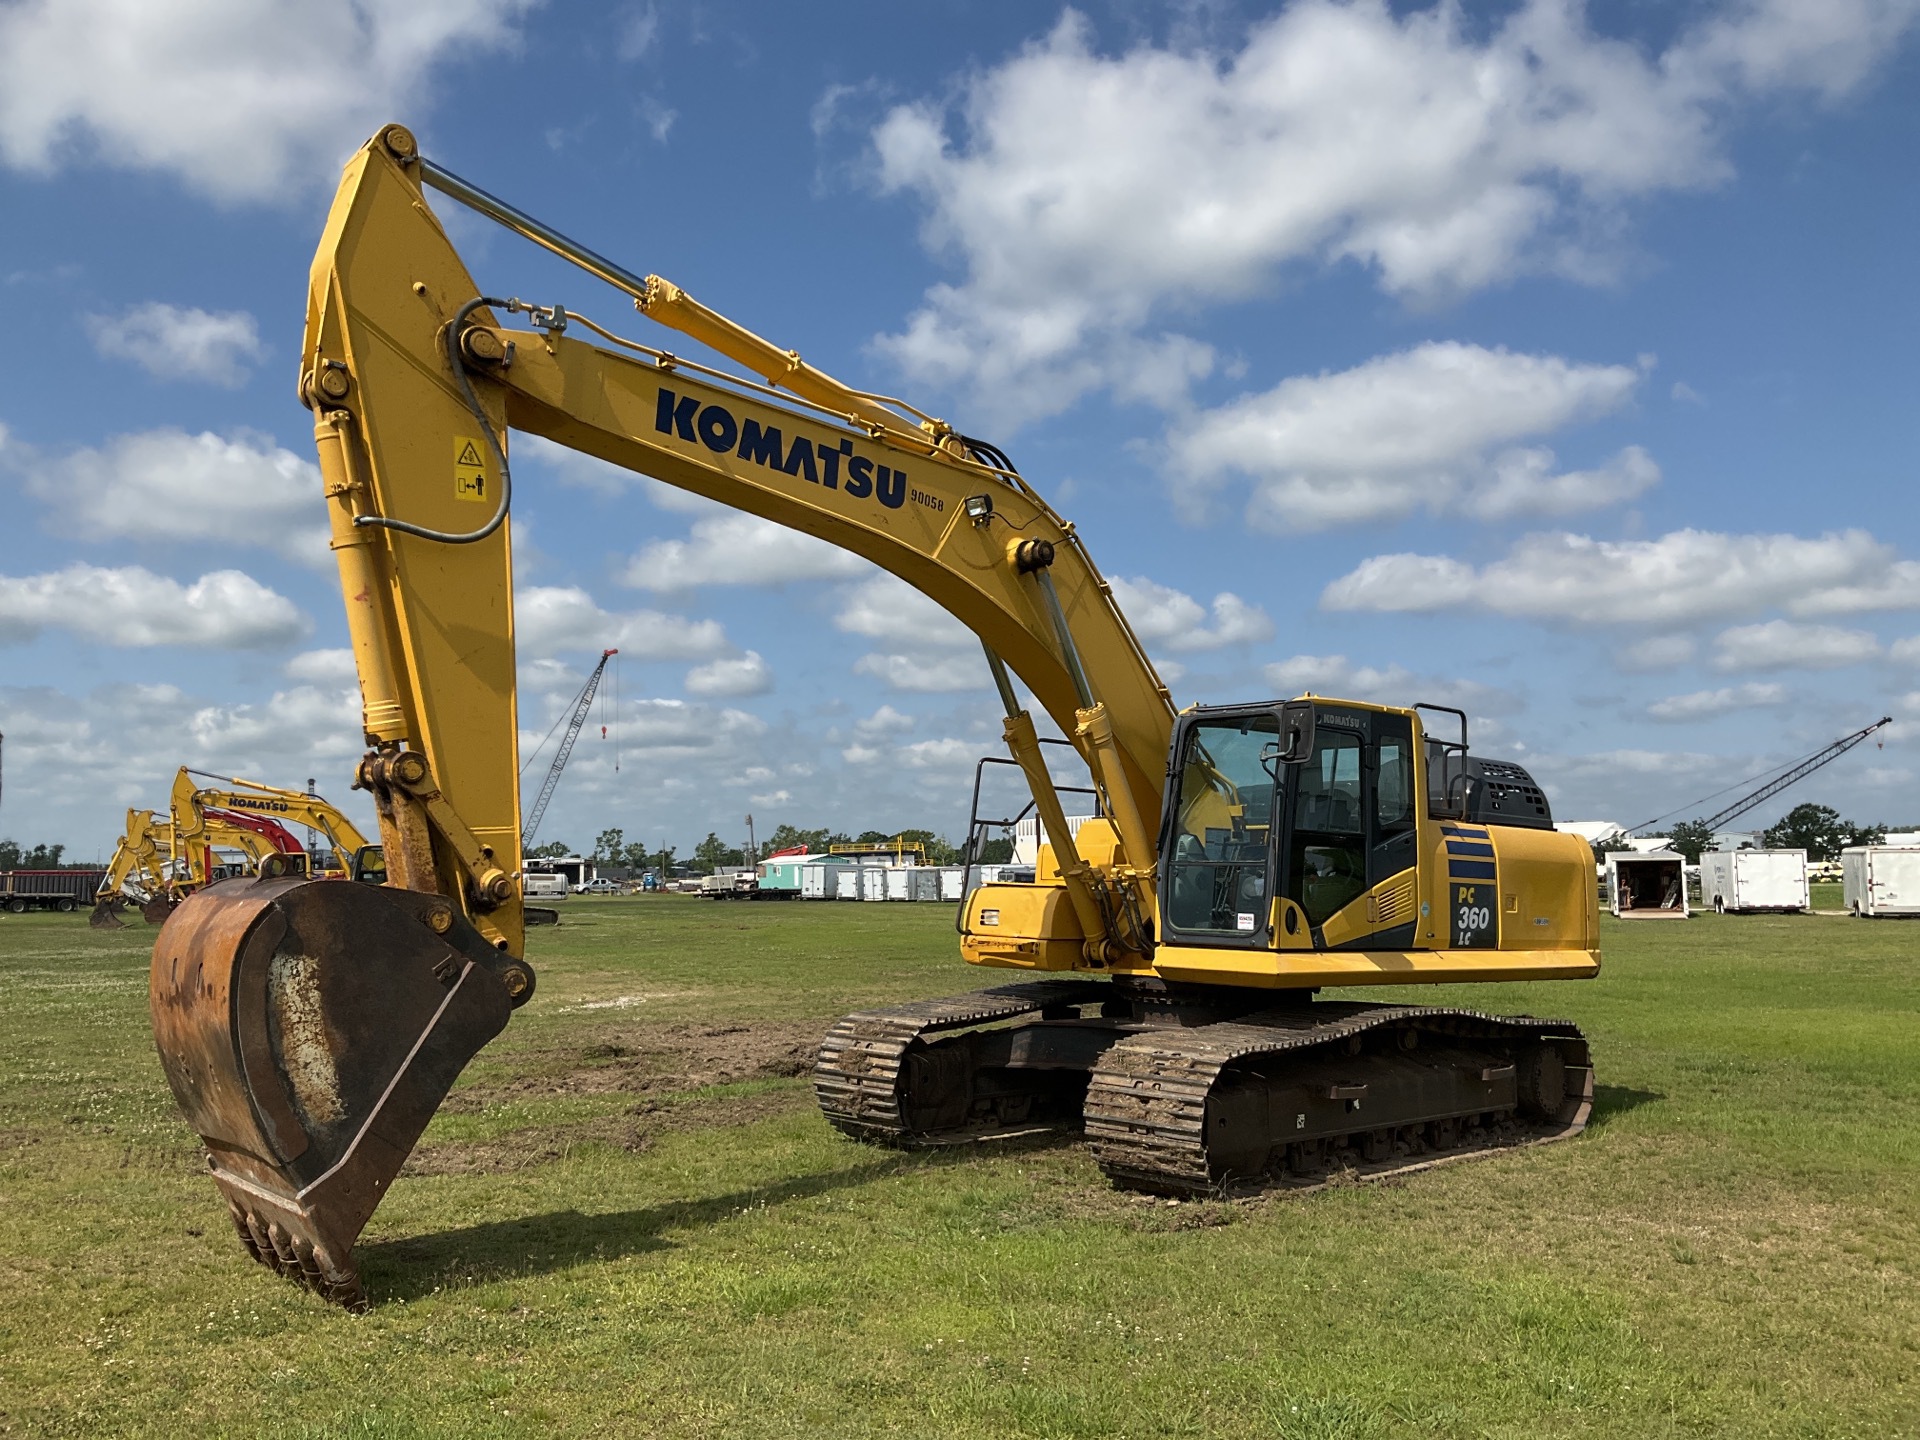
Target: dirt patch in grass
[
  {"x": 664, "y": 1067},
  {"x": 650, "y": 1060},
  {"x": 633, "y": 1130}
]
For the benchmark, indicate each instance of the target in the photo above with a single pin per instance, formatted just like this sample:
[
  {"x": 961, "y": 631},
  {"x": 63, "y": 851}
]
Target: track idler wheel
[{"x": 309, "y": 1030}]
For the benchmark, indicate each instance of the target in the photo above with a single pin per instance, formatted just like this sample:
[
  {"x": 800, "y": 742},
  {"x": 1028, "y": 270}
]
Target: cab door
[{"x": 1349, "y": 846}]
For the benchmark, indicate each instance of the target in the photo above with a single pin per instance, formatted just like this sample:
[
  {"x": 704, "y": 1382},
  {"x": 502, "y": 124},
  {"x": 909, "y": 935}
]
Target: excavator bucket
[
  {"x": 157, "y": 910},
  {"x": 309, "y": 1030},
  {"x": 106, "y": 914}
]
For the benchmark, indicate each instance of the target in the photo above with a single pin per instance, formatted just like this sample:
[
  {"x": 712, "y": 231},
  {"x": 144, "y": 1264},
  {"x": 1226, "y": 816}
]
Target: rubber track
[
  {"x": 857, "y": 1076},
  {"x": 1147, "y": 1102}
]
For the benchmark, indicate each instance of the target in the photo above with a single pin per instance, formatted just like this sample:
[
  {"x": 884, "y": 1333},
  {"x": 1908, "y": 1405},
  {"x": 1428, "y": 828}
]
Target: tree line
[{"x": 14, "y": 856}]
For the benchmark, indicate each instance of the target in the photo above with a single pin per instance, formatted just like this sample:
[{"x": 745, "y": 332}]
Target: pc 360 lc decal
[{"x": 833, "y": 467}]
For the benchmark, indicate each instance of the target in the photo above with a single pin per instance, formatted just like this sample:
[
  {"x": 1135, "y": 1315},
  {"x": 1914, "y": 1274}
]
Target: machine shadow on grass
[
  {"x": 1610, "y": 1102},
  {"x": 474, "y": 1255}
]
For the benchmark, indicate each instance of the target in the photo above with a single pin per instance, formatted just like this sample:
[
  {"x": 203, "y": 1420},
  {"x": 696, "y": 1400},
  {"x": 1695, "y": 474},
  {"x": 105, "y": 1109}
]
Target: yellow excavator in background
[
  {"x": 235, "y": 800},
  {"x": 1244, "y": 856},
  {"x": 161, "y": 859},
  {"x": 137, "y": 871}
]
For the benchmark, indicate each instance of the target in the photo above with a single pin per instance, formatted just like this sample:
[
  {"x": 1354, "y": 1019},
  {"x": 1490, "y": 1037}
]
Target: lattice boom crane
[{"x": 582, "y": 703}]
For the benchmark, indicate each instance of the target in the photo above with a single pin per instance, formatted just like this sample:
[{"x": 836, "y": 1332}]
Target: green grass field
[{"x": 629, "y": 1219}]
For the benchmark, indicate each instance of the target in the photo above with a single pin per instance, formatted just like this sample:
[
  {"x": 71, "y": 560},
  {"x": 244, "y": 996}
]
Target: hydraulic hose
[{"x": 459, "y": 364}]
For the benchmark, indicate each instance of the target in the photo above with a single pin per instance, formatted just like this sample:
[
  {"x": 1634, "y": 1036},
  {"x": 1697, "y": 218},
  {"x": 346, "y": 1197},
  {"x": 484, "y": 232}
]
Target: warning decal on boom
[{"x": 469, "y": 471}]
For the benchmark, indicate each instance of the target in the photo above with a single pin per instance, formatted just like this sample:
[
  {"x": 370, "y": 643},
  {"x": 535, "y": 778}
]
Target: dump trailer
[
  {"x": 1747, "y": 882},
  {"x": 1181, "y": 981},
  {"x": 62, "y": 890},
  {"x": 1881, "y": 881},
  {"x": 1651, "y": 885}
]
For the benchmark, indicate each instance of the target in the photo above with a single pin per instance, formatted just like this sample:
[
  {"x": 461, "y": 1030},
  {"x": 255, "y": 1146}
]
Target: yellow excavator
[
  {"x": 152, "y": 866},
  {"x": 234, "y": 801},
  {"x": 161, "y": 859},
  {"x": 1244, "y": 859}
]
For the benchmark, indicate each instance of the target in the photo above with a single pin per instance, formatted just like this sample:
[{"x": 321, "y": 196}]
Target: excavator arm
[
  {"x": 242, "y": 800},
  {"x": 309, "y": 1031}
]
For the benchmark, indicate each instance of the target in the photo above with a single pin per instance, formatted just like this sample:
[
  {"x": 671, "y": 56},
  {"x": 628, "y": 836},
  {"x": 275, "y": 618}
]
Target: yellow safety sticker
[{"x": 469, "y": 470}]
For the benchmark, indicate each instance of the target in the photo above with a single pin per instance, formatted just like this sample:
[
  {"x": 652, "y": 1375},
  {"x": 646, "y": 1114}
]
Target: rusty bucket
[{"x": 309, "y": 1030}]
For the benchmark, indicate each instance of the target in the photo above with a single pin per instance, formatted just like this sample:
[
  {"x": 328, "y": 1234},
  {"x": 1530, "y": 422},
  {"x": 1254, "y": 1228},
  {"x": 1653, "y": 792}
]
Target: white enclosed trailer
[
  {"x": 873, "y": 882},
  {"x": 1881, "y": 879},
  {"x": 1648, "y": 886},
  {"x": 1740, "y": 882},
  {"x": 846, "y": 882},
  {"x": 952, "y": 882}
]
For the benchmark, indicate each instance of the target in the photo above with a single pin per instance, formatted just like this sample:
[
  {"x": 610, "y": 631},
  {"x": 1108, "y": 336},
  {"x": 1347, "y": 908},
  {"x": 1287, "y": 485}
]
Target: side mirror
[{"x": 1297, "y": 722}]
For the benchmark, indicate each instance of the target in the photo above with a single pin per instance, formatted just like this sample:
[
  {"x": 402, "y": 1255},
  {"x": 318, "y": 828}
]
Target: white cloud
[
  {"x": 944, "y": 754},
  {"x": 739, "y": 549},
  {"x": 731, "y": 679},
  {"x": 1087, "y": 194},
  {"x": 131, "y": 606},
  {"x": 1165, "y": 618},
  {"x": 1432, "y": 428},
  {"x": 1682, "y": 578},
  {"x": 676, "y": 728},
  {"x": 639, "y": 28},
  {"x": 244, "y": 99},
  {"x": 75, "y": 763},
  {"x": 170, "y": 342},
  {"x": 1656, "y": 652},
  {"x": 938, "y": 675},
  {"x": 888, "y": 609},
  {"x": 552, "y": 618},
  {"x": 884, "y": 721},
  {"x": 1905, "y": 652},
  {"x": 236, "y": 489},
  {"x": 323, "y": 667},
  {"x": 1335, "y": 675},
  {"x": 1783, "y": 645},
  {"x": 925, "y": 650},
  {"x": 1705, "y": 704}
]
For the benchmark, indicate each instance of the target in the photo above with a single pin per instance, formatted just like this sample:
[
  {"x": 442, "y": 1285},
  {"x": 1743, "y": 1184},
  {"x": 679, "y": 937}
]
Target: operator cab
[{"x": 1279, "y": 817}]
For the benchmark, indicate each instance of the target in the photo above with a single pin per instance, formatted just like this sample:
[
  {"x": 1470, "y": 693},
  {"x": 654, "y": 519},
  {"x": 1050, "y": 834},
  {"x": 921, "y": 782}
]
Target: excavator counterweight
[{"x": 1242, "y": 858}]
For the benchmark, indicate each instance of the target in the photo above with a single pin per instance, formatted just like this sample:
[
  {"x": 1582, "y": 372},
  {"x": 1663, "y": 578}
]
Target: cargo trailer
[
  {"x": 64, "y": 890},
  {"x": 1649, "y": 886},
  {"x": 1881, "y": 880},
  {"x": 873, "y": 882},
  {"x": 1745, "y": 882},
  {"x": 846, "y": 884}
]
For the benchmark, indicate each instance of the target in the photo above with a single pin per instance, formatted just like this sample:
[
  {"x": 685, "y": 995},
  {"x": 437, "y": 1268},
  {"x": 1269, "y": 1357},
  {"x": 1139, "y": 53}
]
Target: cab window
[
  {"x": 1329, "y": 827},
  {"x": 1218, "y": 867}
]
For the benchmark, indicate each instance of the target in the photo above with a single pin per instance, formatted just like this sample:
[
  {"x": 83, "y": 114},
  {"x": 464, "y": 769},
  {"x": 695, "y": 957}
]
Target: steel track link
[
  {"x": 1146, "y": 1107},
  {"x": 858, "y": 1076}
]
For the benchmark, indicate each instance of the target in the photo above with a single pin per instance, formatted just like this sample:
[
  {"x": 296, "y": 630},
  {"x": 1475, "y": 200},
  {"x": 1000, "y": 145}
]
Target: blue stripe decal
[
  {"x": 1469, "y": 847},
  {"x": 1456, "y": 833},
  {"x": 1471, "y": 870}
]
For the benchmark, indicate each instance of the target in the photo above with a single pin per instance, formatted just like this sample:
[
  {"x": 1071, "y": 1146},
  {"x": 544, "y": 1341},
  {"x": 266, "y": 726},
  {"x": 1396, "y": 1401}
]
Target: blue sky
[{"x": 1551, "y": 360}]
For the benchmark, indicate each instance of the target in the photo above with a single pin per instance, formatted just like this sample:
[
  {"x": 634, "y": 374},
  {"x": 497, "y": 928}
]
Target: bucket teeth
[
  {"x": 245, "y": 1230},
  {"x": 298, "y": 1258}
]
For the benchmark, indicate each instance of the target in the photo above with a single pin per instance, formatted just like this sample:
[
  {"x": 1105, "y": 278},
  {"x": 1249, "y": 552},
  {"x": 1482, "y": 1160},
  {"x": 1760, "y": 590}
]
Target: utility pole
[{"x": 752, "y": 849}]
